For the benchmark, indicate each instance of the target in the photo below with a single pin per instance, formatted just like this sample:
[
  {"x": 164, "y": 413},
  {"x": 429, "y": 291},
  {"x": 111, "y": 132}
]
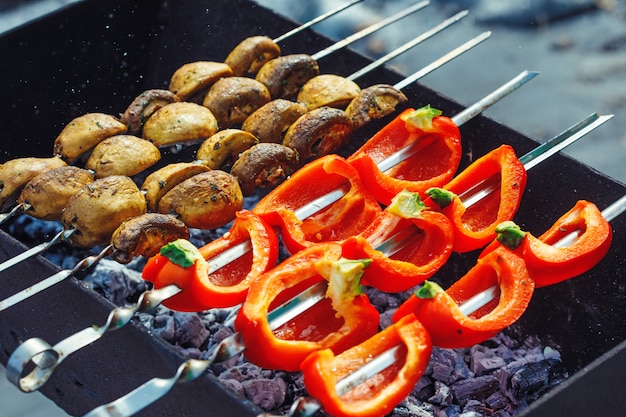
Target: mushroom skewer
[
  {"x": 243, "y": 248},
  {"x": 232, "y": 346}
]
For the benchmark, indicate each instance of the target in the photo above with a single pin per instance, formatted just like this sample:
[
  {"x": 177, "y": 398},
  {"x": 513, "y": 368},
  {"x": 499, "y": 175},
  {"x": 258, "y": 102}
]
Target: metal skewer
[{"x": 315, "y": 20}]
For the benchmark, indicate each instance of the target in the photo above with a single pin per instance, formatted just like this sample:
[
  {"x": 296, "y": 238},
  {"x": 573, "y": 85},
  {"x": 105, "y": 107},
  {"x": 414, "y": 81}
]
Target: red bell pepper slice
[
  {"x": 441, "y": 315},
  {"x": 227, "y": 286},
  {"x": 549, "y": 264},
  {"x": 475, "y": 225},
  {"x": 438, "y": 144},
  {"x": 377, "y": 396},
  {"x": 321, "y": 326},
  {"x": 346, "y": 217},
  {"x": 429, "y": 245}
]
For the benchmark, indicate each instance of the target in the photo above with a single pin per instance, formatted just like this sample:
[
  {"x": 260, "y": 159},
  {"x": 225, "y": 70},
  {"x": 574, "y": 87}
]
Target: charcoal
[
  {"x": 413, "y": 408},
  {"x": 442, "y": 396},
  {"x": 484, "y": 360},
  {"x": 497, "y": 401},
  {"x": 190, "y": 330},
  {"x": 118, "y": 283},
  {"x": 233, "y": 385},
  {"x": 164, "y": 327},
  {"x": 449, "y": 366},
  {"x": 268, "y": 394},
  {"x": 474, "y": 388},
  {"x": 424, "y": 389}
]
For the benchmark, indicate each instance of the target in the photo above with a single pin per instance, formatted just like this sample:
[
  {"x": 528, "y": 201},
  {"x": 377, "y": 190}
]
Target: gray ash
[{"x": 499, "y": 377}]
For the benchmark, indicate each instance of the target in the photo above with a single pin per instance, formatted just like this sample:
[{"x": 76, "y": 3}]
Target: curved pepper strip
[
  {"x": 346, "y": 217},
  {"x": 449, "y": 327},
  {"x": 549, "y": 264},
  {"x": 475, "y": 226},
  {"x": 428, "y": 248},
  {"x": 433, "y": 165},
  {"x": 379, "y": 395},
  {"x": 227, "y": 286},
  {"x": 319, "y": 327}
]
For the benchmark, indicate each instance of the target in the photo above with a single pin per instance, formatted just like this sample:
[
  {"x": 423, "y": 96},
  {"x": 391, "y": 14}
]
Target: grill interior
[{"x": 99, "y": 55}]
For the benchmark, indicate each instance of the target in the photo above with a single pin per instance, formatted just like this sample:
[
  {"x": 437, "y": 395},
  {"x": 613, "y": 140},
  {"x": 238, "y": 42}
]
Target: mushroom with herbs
[
  {"x": 251, "y": 54},
  {"x": 204, "y": 201},
  {"x": 374, "y": 102},
  {"x": 144, "y": 235},
  {"x": 46, "y": 195},
  {"x": 264, "y": 165},
  {"x": 192, "y": 81},
  {"x": 328, "y": 90},
  {"x": 285, "y": 75},
  {"x": 180, "y": 123},
  {"x": 224, "y": 147},
  {"x": 122, "y": 155},
  {"x": 233, "y": 99},
  {"x": 270, "y": 121}
]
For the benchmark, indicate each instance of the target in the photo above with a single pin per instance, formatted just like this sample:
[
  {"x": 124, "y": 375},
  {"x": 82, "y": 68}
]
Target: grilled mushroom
[
  {"x": 97, "y": 209},
  {"x": 251, "y": 54},
  {"x": 48, "y": 193},
  {"x": 122, "y": 155},
  {"x": 328, "y": 90},
  {"x": 145, "y": 235},
  {"x": 224, "y": 147},
  {"x": 318, "y": 133},
  {"x": 233, "y": 99},
  {"x": 144, "y": 105},
  {"x": 157, "y": 184},
  {"x": 264, "y": 165},
  {"x": 285, "y": 75},
  {"x": 16, "y": 173},
  {"x": 374, "y": 102},
  {"x": 270, "y": 121},
  {"x": 85, "y": 132},
  {"x": 180, "y": 123},
  {"x": 204, "y": 201},
  {"x": 191, "y": 81}
]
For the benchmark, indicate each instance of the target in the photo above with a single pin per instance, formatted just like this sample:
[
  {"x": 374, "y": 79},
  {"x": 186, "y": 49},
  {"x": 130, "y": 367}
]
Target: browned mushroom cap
[
  {"x": 285, "y": 75},
  {"x": 16, "y": 173},
  {"x": 85, "y": 132},
  {"x": 224, "y": 147},
  {"x": 145, "y": 235},
  {"x": 264, "y": 166},
  {"x": 319, "y": 132},
  {"x": 48, "y": 193},
  {"x": 251, "y": 54},
  {"x": 180, "y": 123},
  {"x": 374, "y": 102},
  {"x": 270, "y": 121},
  {"x": 122, "y": 155},
  {"x": 191, "y": 81},
  {"x": 233, "y": 99},
  {"x": 204, "y": 201},
  {"x": 97, "y": 209},
  {"x": 144, "y": 105},
  {"x": 157, "y": 184},
  {"x": 328, "y": 90}
]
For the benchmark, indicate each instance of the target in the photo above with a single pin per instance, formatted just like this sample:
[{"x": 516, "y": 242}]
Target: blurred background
[{"x": 579, "y": 46}]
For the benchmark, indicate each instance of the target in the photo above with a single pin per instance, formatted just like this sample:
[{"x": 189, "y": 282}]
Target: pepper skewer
[
  {"x": 307, "y": 406},
  {"x": 277, "y": 317},
  {"x": 158, "y": 387},
  {"x": 65, "y": 234}
]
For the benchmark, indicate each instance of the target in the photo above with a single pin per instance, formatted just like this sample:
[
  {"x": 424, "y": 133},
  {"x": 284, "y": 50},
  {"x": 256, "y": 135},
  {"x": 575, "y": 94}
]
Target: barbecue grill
[{"x": 99, "y": 55}]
